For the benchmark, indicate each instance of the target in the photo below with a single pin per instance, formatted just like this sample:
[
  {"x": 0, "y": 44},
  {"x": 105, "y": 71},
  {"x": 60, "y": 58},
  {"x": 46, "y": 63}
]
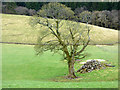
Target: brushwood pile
[{"x": 93, "y": 65}]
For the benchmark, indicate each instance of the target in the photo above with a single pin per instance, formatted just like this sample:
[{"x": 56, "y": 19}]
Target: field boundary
[
  {"x": 19, "y": 43},
  {"x": 37, "y": 44}
]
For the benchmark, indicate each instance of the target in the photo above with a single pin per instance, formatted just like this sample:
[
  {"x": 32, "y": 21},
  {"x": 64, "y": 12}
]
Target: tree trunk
[{"x": 71, "y": 69}]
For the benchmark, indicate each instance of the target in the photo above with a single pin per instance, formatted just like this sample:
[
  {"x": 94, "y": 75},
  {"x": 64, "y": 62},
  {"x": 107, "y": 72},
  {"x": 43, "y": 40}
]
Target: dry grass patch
[{"x": 16, "y": 28}]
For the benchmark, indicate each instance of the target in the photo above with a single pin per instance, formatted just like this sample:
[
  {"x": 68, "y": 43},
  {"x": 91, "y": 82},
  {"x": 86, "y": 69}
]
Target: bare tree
[
  {"x": 69, "y": 37},
  {"x": 21, "y": 10}
]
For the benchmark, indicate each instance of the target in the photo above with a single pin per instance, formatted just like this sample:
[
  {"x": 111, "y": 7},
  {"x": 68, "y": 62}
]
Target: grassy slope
[
  {"x": 15, "y": 28},
  {"x": 21, "y": 68}
]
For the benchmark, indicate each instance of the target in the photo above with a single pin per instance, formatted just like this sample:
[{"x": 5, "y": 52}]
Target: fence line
[{"x": 50, "y": 44}]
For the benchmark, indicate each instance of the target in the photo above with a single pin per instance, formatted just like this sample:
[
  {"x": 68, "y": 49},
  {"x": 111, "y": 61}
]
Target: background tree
[
  {"x": 103, "y": 18},
  {"x": 72, "y": 39},
  {"x": 115, "y": 19},
  {"x": 56, "y": 10},
  {"x": 31, "y": 12},
  {"x": 79, "y": 10},
  {"x": 95, "y": 17},
  {"x": 22, "y": 10},
  {"x": 9, "y": 8},
  {"x": 85, "y": 16}
]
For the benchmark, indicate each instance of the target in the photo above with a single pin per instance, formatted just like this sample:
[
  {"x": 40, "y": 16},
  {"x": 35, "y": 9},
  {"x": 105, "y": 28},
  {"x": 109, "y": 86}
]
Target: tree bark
[{"x": 71, "y": 69}]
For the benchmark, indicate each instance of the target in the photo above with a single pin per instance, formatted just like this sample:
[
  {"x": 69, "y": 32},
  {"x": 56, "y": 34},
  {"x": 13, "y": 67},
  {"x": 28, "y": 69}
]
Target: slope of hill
[{"x": 16, "y": 28}]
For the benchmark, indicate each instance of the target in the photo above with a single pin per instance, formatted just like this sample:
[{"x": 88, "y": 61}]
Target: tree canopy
[
  {"x": 56, "y": 10},
  {"x": 72, "y": 39}
]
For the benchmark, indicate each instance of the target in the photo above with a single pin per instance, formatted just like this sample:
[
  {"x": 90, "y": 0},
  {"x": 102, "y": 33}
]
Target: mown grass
[
  {"x": 16, "y": 28},
  {"x": 38, "y": 84},
  {"x": 22, "y": 68}
]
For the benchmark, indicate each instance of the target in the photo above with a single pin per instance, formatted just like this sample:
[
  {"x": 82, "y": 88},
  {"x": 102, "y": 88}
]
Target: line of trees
[
  {"x": 13, "y": 8},
  {"x": 98, "y": 6},
  {"x": 105, "y": 18},
  {"x": 103, "y": 14}
]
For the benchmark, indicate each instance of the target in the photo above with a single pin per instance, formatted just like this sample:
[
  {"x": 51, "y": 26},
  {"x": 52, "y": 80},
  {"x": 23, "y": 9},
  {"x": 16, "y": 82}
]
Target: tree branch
[{"x": 85, "y": 45}]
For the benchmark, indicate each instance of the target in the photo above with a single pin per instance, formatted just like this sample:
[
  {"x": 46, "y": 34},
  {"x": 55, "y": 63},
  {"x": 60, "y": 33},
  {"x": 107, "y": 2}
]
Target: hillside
[
  {"x": 21, "y": 68},
  {"x": 16, "y": 28}
]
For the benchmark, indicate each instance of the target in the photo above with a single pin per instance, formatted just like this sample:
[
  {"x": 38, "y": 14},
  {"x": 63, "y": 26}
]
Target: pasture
[
  {"x": 16, "y": 28},
  {"x": 21, "y": 68}
]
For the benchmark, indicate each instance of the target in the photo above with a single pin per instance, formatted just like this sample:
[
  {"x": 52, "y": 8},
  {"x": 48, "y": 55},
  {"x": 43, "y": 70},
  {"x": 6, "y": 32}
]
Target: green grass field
[
  {"x": 22, "y": 68},
  {"x": 16, "y": 28}
]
